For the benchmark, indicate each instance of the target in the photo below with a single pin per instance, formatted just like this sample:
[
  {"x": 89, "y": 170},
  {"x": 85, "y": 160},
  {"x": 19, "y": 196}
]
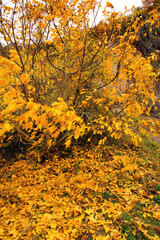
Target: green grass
[{"x": 151, "y": 151}]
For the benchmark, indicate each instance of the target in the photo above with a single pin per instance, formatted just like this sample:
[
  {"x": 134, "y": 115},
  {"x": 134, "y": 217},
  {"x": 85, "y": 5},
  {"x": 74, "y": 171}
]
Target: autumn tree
[{"x": 60, "y": 81}]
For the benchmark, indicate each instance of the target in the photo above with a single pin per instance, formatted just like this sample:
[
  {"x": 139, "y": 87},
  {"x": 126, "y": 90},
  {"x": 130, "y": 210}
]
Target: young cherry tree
[{"x": 62, "y": 79}]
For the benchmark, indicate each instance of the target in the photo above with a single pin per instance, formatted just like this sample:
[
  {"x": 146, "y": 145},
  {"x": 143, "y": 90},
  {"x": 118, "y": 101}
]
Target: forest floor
[{"x": 109, "y": 192}]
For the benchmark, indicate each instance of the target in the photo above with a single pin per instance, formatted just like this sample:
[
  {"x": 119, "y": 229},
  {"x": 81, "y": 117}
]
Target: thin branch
[{"x": 117, "y": 73}]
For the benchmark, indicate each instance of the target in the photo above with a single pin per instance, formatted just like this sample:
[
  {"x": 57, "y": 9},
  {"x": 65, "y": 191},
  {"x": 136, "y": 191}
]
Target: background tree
[{"x": 149, "y": 4}]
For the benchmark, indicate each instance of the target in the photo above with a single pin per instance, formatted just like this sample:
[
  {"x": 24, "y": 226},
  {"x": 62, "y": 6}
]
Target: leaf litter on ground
[{"x": 100, "y": 193}]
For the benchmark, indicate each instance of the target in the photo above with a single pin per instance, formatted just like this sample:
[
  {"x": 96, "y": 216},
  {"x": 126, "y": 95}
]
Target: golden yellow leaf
[
  {"x": 1, "y": 231},
  {"x": 80, "y": 218},
  {"x": 7, "y": 127},
  {"x": 52, "y": 129},
  {"x": 109, "y": 129},
  {"x": 11, "y": 107},
  {"x": 106, "y": 228},
  {"x": 56, "y": 134},
  {"x": 38, "y": 228},
  {"x": 92, "y": 219},
  {"x": 49, "y": 143},
  {"x": 69, "y": 127},
  {"x": 77, "y": 132},
  {"x": 145, "y": 215},
  {"x": 68, "y": 143},
  {"x": 25, "y": 222},
  {"x": 101, "y": 237},
  {"x": 92, "y": 231},
  {"x": 84, "y": 103},
  {"x": 48, "y": 41},
  {"x": 24, "y": 78},
  {"x": 53, "y": 225},
  {"x": 89, "y": 211}
]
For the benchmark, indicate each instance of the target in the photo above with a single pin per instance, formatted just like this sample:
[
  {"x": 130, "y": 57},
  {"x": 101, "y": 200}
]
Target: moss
[
  {"x": 157, "y": 199},
  {"x": 128, "y": 231},
  {"x": 125, "y": 216},
  {"x": 157, "y": 187}
]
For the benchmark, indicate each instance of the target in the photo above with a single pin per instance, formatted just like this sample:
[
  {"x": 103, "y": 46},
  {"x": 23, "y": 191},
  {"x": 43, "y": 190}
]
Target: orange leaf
[
  {"x": 109, "y": 5},
  {"x": 56, "y": 134},
  {"x": 67, "y": 143}
]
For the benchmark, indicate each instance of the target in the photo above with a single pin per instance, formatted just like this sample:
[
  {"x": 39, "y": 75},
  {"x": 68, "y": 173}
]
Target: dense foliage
[{"x": 65, "y": 84}]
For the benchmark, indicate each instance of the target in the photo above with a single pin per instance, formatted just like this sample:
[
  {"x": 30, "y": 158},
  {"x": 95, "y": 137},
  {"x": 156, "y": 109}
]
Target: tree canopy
[{"x": 61, "y": 81}]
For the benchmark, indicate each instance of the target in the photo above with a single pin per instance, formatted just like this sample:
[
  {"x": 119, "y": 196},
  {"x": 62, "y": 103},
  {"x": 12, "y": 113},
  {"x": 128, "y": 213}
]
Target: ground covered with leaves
[{"x": 98, "y": 193}]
